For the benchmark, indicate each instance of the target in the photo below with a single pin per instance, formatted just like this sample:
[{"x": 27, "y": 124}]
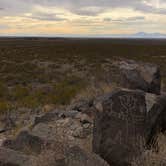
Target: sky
[{"x": 83, "y": 17}]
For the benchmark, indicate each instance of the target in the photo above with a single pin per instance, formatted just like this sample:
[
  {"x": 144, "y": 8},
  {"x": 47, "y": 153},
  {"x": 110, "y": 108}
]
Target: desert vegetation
[
  {"x": 52, "y": 89},
  {"x": 38, "y": 71}
]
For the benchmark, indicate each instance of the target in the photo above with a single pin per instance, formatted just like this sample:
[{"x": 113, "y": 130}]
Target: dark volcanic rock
[
  {"x": 54, "y": 115},
  {"x": 10, "y": 157},
  {"x": 83, "y": 106},
  {"x": 157, "y": 123},
  {"x": 70, "y": 156},
  {"x": 25, "y": 142},
  {"x": 143, "y": 76},
  {"x": 77, "y": 157},
  {"x": 47, "y": 117},
  {"x": 124, "y": 121},
  {"x": 68, "y": 129}
]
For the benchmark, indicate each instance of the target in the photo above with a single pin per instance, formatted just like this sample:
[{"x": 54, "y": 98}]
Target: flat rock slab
[{"x": 124, "y": 121}]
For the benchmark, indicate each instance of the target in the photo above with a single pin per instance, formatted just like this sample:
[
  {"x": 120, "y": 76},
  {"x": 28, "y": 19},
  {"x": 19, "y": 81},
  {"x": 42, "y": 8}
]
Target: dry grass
[
  {"x": 154, "y": 157},
  {"x": 94, "y": 90},
  {"x": 60, "y": 93}
]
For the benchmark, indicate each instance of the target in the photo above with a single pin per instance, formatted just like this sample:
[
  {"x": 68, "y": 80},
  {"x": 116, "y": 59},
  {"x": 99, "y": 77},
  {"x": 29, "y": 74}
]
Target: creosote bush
[
  {"x": 4, "y": 106},
  {"x": 66, "y": 90},
  {"x": 3, "y": 90},
  {"x": 61, "y": 93},
  {"x": 19, "y": 92}
]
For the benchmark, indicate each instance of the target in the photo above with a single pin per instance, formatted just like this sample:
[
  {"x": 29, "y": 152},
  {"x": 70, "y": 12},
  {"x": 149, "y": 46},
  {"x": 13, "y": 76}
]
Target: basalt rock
[
  {"x": 76, "y": 156},
  {"x": 83, "y": 106},
  {"x": 26, "y": 143},
  {"x": 55, "y": 115},
  {"x": 57, "y": 154},
  {"x": 139, "y": 75},
  {"x": 70, "y": 156},
  {"x": 126, "y": 121},
  {"x": 10, "y": 157}
]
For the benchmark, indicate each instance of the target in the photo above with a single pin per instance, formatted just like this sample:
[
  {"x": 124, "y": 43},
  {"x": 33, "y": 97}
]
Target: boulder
[
  {"x": 6, "y": 122},
  {"x": 157, "y": 123},
  {"x": 68, "y": 126},
  {"x": 54, "y": 115},
  {"x": 84, "y": 118},
  {"x": 58, "y": 154},
  {"x": 26, "y": 143},
  {"x": 83, "y": 106},
  {"x": 139, "y": 75},
  {"x": 10, "y": 157},
  {"x": 70, "y": 156},
  {"x": 47, "y": 117},
  {"x": 76, "y": 156},
  {"x": 66, "y": 129},
  {"x": 125, "y": 120},
  {"x": 2, "y": 139}
]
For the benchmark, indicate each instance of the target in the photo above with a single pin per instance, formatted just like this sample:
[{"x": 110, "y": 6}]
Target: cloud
[
  {"x": 88, "y": 11},
  {"x": 82, "y": 16},
  {"x": 107, "y": 19},
  {"x": 127, "y": 19},
  {"x": 4, "y": 27},
  {"x": 46, "y": 17},
  {"x": 151, "y": 8},
  {"x": 137, "y": 18},
  {"x": 84, "y": 7}
]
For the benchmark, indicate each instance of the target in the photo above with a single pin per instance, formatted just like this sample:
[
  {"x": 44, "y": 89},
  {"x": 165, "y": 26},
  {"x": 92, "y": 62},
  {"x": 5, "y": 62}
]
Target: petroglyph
[
  {"x": 127, "y": 118},
  {"x": 121, "y": 125},
  {"x": 128, "y": 103}
]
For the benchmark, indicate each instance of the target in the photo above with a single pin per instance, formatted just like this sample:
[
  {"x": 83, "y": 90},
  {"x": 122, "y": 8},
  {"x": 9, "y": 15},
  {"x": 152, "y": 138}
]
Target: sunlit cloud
[{"x": 81, "y": 17}]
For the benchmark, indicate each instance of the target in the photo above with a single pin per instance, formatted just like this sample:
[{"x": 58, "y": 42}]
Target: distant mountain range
[
  {"x": 148, "y": 35},
  {"x": 136, "y": 35}
]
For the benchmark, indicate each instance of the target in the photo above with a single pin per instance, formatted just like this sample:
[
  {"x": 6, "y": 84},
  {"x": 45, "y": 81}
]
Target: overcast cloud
[
  {"x": 84, "y": 7},
  {"x": 68, "y": 12}
]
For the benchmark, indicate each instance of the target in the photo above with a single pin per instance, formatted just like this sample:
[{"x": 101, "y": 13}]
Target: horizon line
[
  {"x": 91, "y": 37},
  {"x": 132, "y": 35}
]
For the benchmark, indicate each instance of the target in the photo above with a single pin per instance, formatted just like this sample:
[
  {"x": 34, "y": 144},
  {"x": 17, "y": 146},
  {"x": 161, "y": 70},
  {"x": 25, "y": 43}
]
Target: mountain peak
[{"x": 149, "y": 35}]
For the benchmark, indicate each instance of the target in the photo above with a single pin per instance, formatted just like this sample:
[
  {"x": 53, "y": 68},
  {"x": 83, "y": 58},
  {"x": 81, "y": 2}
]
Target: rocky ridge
[{"x": 111, "y": 127}]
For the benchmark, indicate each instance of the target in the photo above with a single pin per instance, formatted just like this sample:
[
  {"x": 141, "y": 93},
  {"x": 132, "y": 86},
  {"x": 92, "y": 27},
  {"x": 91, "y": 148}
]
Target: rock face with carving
[
  {"x": 124, "y": 121},
  {"x": 142, "y": 76}
]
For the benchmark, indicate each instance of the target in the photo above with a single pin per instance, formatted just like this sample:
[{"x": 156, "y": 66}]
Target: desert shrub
[
  {"x": 42, "y": 97},
  {"x": 29, "y": 102},
  {"x": 66, "y": 90},
  {"x": 39, "y": 95},
  {"x": 4, "y": 106},
  {"x": 19, "y": 92},
  {"x": 153, "y": 157},
  {"x": 3, "y": 90},
  {"x": 163, "y": 84}
]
